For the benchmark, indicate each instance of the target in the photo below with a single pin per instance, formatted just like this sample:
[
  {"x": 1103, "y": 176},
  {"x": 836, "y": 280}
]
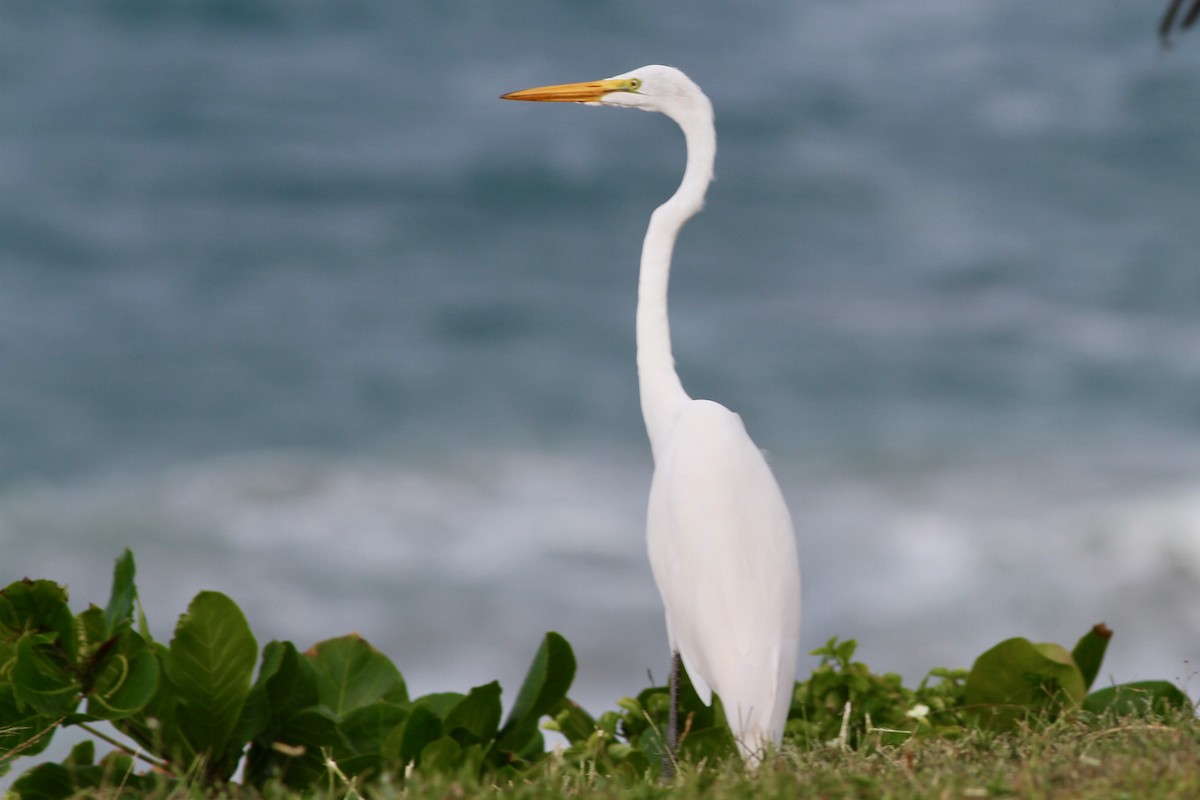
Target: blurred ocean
[{"x": 294, "y": 306}]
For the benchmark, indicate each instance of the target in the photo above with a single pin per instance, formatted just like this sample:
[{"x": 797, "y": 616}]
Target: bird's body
[
  {"x": 723, "y": 555},
  {"x": 719, "y": 535}
]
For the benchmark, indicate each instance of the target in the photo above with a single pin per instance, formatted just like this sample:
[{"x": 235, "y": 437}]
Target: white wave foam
[{"x": 456, "y": 566}]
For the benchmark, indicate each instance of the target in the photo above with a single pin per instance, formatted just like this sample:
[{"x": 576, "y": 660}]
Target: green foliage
[
  {"x": 1138, "y": 698},
  {"x": 844, "y": 703},
  {"x": 1089, "y": 652},
  {"x": 339, "y": 714},
  {"x": 209, "y": 667},
  {"x": 1017, "y": 679}
]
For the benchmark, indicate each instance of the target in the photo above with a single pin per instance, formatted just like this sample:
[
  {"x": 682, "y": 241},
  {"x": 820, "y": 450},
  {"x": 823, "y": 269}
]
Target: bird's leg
[{"x": 672, "y": 716}]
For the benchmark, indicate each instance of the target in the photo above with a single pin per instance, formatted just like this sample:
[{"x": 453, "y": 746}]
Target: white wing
[{"x": 723, "y": 553}]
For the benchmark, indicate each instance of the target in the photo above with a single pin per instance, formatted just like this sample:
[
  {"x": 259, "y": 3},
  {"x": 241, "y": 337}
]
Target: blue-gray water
[{"x": 293, "y": 305}]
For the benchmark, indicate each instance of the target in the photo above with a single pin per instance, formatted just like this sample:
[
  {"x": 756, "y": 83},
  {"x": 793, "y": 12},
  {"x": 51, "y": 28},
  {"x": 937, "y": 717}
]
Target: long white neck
[{"x": 661, "y": 391}]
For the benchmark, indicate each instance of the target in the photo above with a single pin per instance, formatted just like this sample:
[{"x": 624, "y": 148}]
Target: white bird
[{"x": 720, "y": 538}]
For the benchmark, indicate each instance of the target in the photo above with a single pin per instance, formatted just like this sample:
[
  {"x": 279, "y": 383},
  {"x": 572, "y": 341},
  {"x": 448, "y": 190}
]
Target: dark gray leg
[{"x": 668, "y": 761}]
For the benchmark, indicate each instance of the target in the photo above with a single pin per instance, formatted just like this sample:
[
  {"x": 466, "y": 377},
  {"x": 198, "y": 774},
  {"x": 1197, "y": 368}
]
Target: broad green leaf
[
  {"x": 350, "y": 674},
  {"x": 546, "y": 683},
  {"x": 478, "y": 714},
  {"x": 1017, "y": 678},
  {"x": 90, "y": 623},
  {"x": 42, "y": 679},
  {"x": 296, "y": 753},
  {"x": 442, "y": 703},
  {"x": 442, "y": 756},
  {"x": 58, "y": 780},
  {"x": 154, "y": 727},
  {"x": 422, "y": 726},
  {"x": 256, "y": 710},
  {"x": 282, "y": 710},
  {"x": 47, "y": 781},
  {"x": 126, "y": 680},
  {"x": 294, "y": 685},
  {"x": 81, "y": 755},
  {"x": 78, "y": 775},
  {"x": 364, "y": 731},
  {"x": 1089, "y": 652},
  {"x": 1139, "y": 697},
  {"x": 286, "y": 681},
  {"x": 471, "y": 763},
  {"x": 634, "y": 761},
  {"x": 572, "y": 721},
  {"x": 118, "y": 614},
  {"x": 23, "y": 732},
  {"x": 211, "y": 662},
  {"x": 285, "y": 685},
  {"x": 38, "y": 606},
  {"x": 715, "y": 743}
]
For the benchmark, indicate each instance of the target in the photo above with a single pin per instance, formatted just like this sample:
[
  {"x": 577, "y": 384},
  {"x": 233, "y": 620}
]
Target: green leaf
[
  {"x": 285, "y": 685},
  {"x": 545, "y": 686},
  {"x": 154, "y": 727},
  {"x": 296, "y": 754},
  {"x": 442, "y": 703},
  {"x": 442, "y": 756},
  {"x": 1089, "y": 652},
  {"x": 421, "y": 727},
  {"x": 1017, "y": 678},
  {"x": 77, "y": 775},
  {"x": 38, "y": 607},
  {"x": 546, "y": 683},
  {"x": 288, "y": 680},
  {"x": 210, "y": 663},
  {"x": 256, "y": 710},
  {"x": 715, "y": 744},
  {"x": 1139, "y": 697},
  {"x": 364, "y": 731},
  {"x": 118, "y": 614},
  {"x": 572, "y": 721},
  {"x": 23, "y": 732},
  {"x": 350, "y": 674},
  {"x": 478, "y": 714},
  {"x": 47, "y": 781},
  {"x": 59, "y": 780},
  {"x": 282, "y": 710},
  {"x": 90, "y": 623},
  {"x": 125, "y": 680},
  {"x": 43, "y": 680}
]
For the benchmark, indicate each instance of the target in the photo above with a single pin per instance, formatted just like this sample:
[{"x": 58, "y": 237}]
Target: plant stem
[
  {"x": 124, "y": 748},
  {"x": 16, "y": 751}
]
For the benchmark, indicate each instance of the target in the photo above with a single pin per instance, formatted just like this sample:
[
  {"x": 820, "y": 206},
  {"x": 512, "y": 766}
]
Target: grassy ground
[{"x": 1134, "y": 759}]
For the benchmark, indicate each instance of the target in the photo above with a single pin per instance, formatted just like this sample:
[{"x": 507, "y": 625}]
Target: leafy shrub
[{"x": 195, "y": 710}]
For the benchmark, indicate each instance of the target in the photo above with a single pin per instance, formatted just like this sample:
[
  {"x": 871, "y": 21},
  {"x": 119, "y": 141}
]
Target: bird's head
[{"x": 651, "y": 88}]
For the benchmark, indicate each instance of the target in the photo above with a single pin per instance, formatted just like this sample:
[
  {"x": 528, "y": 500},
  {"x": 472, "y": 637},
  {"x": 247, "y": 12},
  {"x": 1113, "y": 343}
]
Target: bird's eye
[{"x": 634, "y": 84}]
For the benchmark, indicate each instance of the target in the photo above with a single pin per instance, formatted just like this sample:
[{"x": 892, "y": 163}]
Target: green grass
[
  {"x": 1139, "y": 759},
  {"x": 1133, "y": 758},
  {"x": 1078, "y": 757}
]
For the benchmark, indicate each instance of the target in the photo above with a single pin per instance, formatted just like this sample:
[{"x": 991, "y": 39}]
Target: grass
[
  {"x": 1113, "y": 759},
  {"x": 1085, "y": 758},
  {"x": 1136, "y": 759}
]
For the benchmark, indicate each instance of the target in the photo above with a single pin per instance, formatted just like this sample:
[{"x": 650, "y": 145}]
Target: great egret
[
  {"x": 720, "y": 538},
  {"x": 1168, "y": 20}
]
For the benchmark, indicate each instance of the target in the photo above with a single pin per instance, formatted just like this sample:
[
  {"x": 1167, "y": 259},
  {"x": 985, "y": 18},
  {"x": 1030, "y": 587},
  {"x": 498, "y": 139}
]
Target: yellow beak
[{"x": 588, "y": 92}]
